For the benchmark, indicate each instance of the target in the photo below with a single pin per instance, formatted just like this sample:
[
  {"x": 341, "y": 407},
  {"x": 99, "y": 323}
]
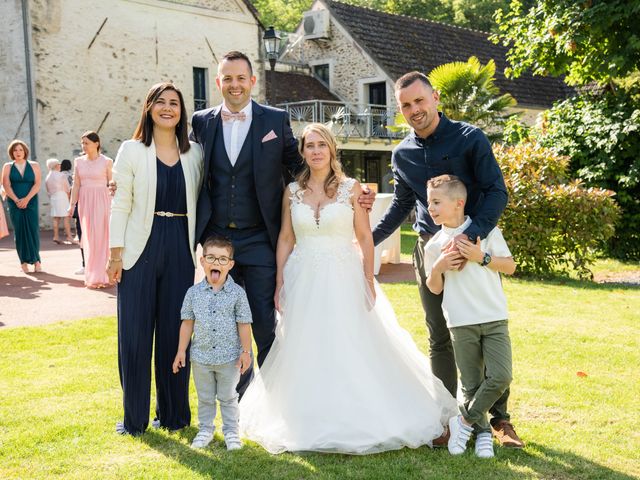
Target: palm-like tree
[{"x": 468, "y": 93}]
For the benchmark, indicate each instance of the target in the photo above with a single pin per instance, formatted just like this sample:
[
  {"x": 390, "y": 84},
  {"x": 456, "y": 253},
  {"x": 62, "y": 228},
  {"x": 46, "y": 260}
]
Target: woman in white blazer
[{"x": 152, "y": 256}]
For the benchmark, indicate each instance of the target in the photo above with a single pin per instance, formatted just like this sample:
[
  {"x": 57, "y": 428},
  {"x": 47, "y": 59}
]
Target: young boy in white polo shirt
[{"x": 475, "y": 308}]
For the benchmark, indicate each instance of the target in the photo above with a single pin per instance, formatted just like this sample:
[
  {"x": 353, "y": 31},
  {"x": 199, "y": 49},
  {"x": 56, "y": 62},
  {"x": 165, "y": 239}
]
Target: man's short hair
[
  {"x": 408, "y": 78},
  {"x": 453, "y": 187},
  {"x": 220, "y": 241},
  {"x": 236, "y": 55}
]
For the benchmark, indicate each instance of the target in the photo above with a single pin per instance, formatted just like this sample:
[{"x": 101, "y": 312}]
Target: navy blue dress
[{"x": 150, "y": 296}]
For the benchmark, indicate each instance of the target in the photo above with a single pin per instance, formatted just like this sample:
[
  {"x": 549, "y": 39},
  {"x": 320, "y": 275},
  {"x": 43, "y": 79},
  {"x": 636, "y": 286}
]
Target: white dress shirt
[{"x": 235, "y": 132}]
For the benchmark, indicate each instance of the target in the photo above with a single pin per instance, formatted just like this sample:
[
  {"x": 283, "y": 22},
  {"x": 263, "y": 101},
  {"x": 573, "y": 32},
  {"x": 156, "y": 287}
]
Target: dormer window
[{"x": 321, "y": 72}]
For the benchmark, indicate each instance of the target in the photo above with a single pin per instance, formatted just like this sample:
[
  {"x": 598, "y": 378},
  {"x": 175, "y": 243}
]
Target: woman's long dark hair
[
  {"x": 94, "y": 137},
  {"x": 144, "y": 130}
]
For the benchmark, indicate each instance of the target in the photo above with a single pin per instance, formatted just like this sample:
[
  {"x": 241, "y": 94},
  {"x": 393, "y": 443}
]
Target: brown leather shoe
[
  {"x": 506, "y": 435},
  {"x": 443, "y": 439}
]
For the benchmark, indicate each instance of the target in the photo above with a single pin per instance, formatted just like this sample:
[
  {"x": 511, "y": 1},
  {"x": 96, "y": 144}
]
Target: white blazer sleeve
[{"x": 122, "y": 203}]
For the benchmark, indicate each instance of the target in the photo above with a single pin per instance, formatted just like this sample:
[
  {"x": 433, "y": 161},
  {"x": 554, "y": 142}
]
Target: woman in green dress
[{"x": 21, "y": 181}]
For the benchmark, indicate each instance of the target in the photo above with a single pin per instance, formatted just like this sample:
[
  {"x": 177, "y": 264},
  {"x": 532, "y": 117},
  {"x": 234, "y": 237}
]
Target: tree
[
  {"x": 284, "y": 15},
  {"x": 436, "y": 10},
  {"x": 468, "y": 93},
  {"x": 600, "y": 132},
  {"x": 588, "y": 41},
  {"x": 476, "y": 14}
]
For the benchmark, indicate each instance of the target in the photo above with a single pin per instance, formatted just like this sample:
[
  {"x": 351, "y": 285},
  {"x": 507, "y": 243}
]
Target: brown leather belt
[{"x": 169, "y": 214}]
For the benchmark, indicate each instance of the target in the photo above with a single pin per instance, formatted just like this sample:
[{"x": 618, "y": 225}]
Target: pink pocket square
[{"x": 269, "y": 136}]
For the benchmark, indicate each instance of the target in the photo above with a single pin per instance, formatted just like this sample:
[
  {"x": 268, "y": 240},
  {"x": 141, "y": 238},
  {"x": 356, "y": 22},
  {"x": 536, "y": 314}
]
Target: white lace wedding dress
[{"x": 340, "y": 377}]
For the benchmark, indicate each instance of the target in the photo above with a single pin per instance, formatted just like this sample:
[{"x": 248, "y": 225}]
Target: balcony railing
[{"x": 346, "y": 120}]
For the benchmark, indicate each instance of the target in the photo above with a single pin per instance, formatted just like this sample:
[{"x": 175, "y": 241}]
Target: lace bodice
[
  {"x": 92, "y": 173},
  {"x": 333, "y": 225}
]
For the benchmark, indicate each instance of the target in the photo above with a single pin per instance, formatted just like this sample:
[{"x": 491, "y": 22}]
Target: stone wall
[
  {"x": 350, "y": 65},
  {"x": 95, "y": 60},
  {"x": 14, "y": 103}
]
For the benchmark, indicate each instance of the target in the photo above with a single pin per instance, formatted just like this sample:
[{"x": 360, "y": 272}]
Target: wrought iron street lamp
[{"x": 272, "y": 46}]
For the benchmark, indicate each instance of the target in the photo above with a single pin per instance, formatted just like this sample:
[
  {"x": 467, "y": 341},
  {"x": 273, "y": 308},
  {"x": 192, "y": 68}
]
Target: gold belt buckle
[
  {"x": 232, "y": 225},
  {"x": 169, "y": 214}
]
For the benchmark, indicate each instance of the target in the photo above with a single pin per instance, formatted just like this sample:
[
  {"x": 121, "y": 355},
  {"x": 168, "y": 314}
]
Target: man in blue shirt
[{"x": 438, "y": 146}]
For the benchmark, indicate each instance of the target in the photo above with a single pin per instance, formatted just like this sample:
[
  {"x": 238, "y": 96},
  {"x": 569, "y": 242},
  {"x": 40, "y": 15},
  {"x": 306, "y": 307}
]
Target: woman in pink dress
[{"x": 92, "y": 172}]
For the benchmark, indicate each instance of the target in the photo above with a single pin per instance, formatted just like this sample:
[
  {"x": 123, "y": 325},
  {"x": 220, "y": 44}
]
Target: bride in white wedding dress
[{"x": 342, "y": 375}]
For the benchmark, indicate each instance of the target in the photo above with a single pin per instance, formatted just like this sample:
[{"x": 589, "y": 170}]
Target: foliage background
[
  {"x": 552, "y": 224},
  {"x": 468, "y": 93},
  {"x": 601, "y": 134},
  {"x": 477, "y": 14}
]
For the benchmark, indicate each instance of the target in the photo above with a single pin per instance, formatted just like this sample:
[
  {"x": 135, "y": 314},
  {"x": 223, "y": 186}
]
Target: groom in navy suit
[{"x": 250, "y": 154}]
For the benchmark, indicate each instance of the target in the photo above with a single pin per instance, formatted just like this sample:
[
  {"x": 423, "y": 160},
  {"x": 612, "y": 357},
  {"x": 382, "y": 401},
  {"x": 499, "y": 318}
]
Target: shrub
[
  {"x": 468, "y": 92},
  {"x": 601, "y": 133},
  {"x": 515, "y": 131},
  {"x": 552, "y": 224}
]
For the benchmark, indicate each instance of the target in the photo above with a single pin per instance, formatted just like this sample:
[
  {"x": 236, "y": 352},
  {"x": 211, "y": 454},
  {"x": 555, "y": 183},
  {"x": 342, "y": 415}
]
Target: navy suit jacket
[{"x": 275, "y": 162}]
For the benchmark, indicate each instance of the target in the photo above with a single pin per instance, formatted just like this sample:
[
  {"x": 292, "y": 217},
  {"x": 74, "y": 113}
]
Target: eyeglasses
[{"x": 220, "y": 260}]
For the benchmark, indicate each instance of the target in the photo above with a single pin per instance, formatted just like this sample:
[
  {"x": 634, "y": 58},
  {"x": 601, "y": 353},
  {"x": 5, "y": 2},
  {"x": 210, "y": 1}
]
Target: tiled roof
[
  {"x": 400, "y": 44},
  {"x": 285, "y": 87}
]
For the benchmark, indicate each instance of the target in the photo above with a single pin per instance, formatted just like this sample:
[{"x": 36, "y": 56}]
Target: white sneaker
[
  {"x": 155, "y": 423},
  {"x": 80, "y": 271},
  {"x": 202, "y": 439},
  {"x": 233, "y": 444},
  {"x": 484, "y": 445},
  {"x": 460, "y": 434}
]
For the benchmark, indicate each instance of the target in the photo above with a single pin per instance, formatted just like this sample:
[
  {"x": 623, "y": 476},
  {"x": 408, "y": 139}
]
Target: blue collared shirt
[
  {"x": 215, "y": 332},
  {"x": 454, "y": 148}
]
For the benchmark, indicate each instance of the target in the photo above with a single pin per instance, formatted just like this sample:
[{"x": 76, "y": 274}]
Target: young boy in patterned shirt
[{"x": 216, "y": 311}]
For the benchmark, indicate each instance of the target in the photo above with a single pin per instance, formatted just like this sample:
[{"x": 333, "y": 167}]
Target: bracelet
[
  {"x": 244, "y": 351},
  {"x": 115, "y": 260}
]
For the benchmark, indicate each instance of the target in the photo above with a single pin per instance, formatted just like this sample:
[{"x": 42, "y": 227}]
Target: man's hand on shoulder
[
  {"x": 469, "y": 250},
  {"x": 366, "y": 199},
  {"x": 451, "y": 247}
]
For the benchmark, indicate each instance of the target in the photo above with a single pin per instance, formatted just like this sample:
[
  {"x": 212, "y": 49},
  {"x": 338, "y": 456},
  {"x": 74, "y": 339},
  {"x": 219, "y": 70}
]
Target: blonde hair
[
  {"x": 453, "y": 187},
  {"x": 336, "y": 174}
]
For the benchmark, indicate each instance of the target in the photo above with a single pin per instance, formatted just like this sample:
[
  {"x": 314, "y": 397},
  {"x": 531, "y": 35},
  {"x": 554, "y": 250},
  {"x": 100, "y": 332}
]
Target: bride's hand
[
  {"x": 276, "y": 297},
  {"x": 372, "y": 290}
]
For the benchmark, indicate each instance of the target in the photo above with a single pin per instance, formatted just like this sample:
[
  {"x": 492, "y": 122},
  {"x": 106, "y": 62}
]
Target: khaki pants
[{"x": 483, "y": 356}]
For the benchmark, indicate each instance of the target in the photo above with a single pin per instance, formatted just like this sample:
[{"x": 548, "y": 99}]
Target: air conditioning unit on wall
[{"x": 315, "y": 24}]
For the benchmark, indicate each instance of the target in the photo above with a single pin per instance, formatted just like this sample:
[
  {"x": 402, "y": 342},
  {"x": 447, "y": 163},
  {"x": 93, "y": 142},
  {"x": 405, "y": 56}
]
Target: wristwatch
[{"x": 486, "y": 259}]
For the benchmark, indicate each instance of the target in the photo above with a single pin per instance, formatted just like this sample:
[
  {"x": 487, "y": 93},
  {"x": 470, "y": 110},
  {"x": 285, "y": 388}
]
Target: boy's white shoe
[
  {"x": 460, "y": 434},
  {"x": 233, "y": 444},
  {"x": 484, "y": 445},
  {"x": 202, "y": 439}
]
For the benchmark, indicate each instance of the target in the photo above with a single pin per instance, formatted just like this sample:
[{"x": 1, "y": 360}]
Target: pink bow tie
[{"x": 231, "y": 117}]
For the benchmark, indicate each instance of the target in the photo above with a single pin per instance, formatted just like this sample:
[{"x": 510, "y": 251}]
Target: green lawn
[{"x": 61, "y": 399}]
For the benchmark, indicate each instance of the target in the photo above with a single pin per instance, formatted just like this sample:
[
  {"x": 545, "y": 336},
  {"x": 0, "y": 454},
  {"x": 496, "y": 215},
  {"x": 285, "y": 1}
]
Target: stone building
[
  {"x": 68, "y": 66},
  {"x": 357, "y": 53}
]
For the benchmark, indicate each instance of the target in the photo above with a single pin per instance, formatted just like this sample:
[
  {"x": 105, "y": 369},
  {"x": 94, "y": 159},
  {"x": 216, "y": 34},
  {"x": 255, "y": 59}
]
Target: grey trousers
[
  {"x": 443, "y": 363},
  {"x": 483, "y": 355},
  {"x": 217, "y": 382}
]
